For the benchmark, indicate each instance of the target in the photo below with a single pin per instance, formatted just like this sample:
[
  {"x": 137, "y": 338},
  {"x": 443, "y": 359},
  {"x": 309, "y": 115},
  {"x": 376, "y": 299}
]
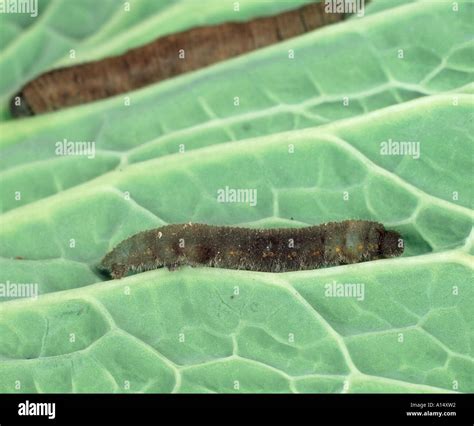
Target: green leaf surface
[
  {"x": 197, "y": 109},
  {"x": 312, "y": 156},
  {"x": 32, "y": 45}
]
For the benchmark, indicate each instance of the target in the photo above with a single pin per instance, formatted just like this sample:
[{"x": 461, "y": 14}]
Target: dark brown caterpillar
[
  {"x": 265, "y": 250},
  {"x": 161, "y": 59}
]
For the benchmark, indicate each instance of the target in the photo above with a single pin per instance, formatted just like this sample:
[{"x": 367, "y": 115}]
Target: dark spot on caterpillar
[
  {"x": 163, "y": 58},
  {"x": 265, "y": 250}
]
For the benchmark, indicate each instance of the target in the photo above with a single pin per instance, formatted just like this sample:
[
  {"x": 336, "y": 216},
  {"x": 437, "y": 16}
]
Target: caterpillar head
[
  {"x": 19, "y": 107},
  {"x": 390, "y": 244},
  {"x": 135, "y": 254},
  {"x": 125, "y": 257},
  {"x": 114, "y": 264}
]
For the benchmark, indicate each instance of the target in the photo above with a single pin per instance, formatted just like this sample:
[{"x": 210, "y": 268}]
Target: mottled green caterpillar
[{"x": 265, "y": 250}]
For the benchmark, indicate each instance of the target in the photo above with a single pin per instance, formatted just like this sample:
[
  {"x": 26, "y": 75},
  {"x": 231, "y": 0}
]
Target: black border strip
[{"x": 320, "y": 409}]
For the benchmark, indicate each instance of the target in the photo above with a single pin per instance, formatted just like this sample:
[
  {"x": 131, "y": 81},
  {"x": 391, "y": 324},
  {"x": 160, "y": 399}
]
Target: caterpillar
[
  {"x": 161, "y": 59},
  {"x": 265, "y": 250}
]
